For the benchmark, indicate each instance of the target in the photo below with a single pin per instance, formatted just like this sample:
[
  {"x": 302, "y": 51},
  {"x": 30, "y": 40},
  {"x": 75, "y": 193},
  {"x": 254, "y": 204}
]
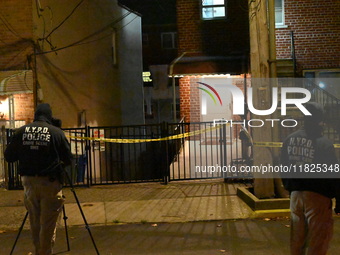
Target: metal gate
[
  {"x": 149, "y": 153},
  {"x": 215, "y": 152}
]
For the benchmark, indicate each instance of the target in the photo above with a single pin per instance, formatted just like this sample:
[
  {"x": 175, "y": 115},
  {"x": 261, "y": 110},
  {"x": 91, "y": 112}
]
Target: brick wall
[
  {"x": 190, "y": 97},
  {"x": 188, "y": 18},
  {"x": 209, "y": 38},
  {"x": 212, "y": 37},
  {"x": 316, "y": 27},
  {"x": 184, "y": 95},
  {"x": 24, "y": 107},
  {"x": 16, "y": 32}
]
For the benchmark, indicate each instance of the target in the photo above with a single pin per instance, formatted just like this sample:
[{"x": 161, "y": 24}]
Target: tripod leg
[
  {"x": 18, "y": 235},
  {"x": 66, "y": 230},
  {"x": 81, "y": 212}
]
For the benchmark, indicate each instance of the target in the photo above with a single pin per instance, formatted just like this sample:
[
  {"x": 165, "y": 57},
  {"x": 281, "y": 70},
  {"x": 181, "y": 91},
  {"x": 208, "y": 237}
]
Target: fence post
[
  {"x": 4, "y": 163},
  {"x": 88, "y": 156},
  {"x": 165, "y": 152}
]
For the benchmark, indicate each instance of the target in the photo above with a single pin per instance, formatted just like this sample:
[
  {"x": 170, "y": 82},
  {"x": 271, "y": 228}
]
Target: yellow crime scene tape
[
  {"x": 119, "y": 140},
  {"x": 279, "y": 144},
  {"x": 268, "y": 144},
  {"x": 173, "y": 137}
]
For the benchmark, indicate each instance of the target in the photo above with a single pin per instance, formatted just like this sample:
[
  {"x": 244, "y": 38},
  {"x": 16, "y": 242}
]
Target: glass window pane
[
  {"x": 278, "y": 3},
  {"x": 207, "y": 13},
  {"x": 219, "y": 2},
  {"x": 329, "y": 74},
  {"x": 212, "y": 2},
  {"x": 213, "y": 12},
  {"x": 309, "y": 74},
  {"x": 207, "y": 2},
  {"x": 219, "y": 12},
  {"x": 278, "y": 16}
]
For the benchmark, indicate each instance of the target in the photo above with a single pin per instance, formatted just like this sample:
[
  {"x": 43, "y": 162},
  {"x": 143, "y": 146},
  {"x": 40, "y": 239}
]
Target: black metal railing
[
  {"x": 293, "y": 55},
  {"x": 174, "y": 153},
  {"x": 329, "y": 102},
  {"x": 208, "y": 153}
]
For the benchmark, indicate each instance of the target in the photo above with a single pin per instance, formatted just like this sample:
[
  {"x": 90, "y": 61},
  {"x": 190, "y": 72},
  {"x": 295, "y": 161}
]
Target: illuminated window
[{"x": 213, "y": 9}]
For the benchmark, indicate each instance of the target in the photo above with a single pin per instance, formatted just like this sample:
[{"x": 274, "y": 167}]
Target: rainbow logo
[{"x": 209, "y": 93}]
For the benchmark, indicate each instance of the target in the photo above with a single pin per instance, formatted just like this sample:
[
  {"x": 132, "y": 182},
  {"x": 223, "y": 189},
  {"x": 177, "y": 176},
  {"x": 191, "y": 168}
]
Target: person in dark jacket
[
  {"x": 41, "y": 150},
  {"x": 310, "y": 197}
]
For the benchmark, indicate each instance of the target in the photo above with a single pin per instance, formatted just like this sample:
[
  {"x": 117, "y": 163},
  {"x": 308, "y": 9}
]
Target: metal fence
[
  {"x": 328, "y": 101},
  {"x": 176, "y": 151},
  {"x": 211, "y": 153}
]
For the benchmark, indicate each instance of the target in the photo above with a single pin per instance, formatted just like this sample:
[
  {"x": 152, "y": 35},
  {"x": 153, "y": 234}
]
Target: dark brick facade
[
  {"x": 24, "y": 107},
  {"x": 198, "y": 37},
  {"x": 212, "y": 37},
  {"x": 316, "y": 28}
]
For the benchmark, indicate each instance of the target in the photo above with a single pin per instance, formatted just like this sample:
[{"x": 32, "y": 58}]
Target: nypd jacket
[
  {"x": 303, "y": 148},
  {"x": 39, "y": 147}
]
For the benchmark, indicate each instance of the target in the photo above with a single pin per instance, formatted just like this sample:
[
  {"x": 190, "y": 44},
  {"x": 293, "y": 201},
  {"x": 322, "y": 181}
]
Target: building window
[
  {"x": 213, "y": 9},
  {"x": 326, "y": 79},
  {"x": 169, "y": 40},
  {"x": 279, "y": 13}
]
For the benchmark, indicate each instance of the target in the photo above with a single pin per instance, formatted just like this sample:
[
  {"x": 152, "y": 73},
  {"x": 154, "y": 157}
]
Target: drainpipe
[
  {"x": 272, "y": 39},
  {"x": 11, "y": 111},
  {"x": 171, "y": 73}
]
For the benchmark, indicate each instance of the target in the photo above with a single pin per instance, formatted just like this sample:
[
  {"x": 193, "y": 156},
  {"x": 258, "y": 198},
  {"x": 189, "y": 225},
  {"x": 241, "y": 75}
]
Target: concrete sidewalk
[
  {"x": 196, "y": 217},
  {"x": 229, "y": 237},
  {"x": 143, "y": 202}
]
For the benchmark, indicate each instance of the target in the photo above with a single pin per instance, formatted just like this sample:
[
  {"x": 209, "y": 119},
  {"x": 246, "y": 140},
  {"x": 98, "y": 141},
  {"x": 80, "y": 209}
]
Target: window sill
[{"x": 281, "y": 26}]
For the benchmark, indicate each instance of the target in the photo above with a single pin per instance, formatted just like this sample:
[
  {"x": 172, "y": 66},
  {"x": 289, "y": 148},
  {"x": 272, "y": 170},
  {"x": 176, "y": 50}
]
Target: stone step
[{"x": 285, "y": 68}]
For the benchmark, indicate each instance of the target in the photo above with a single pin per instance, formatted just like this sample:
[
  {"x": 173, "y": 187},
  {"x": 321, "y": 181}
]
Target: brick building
[
  {"x": 214, "y": 39},
  {"x": 307, "y": 45},
  {"x": 87, "y": 61},
  {"x": 312, "y": 30},
  {"x": 213, "y": 45},
  {"x": 16, "y": 77}
]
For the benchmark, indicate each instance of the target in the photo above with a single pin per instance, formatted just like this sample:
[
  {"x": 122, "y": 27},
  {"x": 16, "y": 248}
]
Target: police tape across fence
[{"x": 174, "y": 137}]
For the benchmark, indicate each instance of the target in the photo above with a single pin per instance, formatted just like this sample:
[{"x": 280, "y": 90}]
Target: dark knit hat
[{"x": 43, "y": 110}]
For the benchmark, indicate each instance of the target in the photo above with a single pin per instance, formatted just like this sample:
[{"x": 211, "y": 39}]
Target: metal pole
[
  {"x": 174, "y": 98},
  {"x": 81, "y": 211},
  {"x": 272, "y": 39},
  {"x": 171, "y": 73},
  {"x": 11, "y": 111},
  {"x": 20, "y": 229},
  {"x": 66, "y": 230}
]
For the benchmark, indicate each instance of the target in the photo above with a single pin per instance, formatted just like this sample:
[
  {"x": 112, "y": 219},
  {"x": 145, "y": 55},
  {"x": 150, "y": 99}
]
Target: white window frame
[
  {"x": 203, "y": 6},
  {"x": 282, "y": 12},
  {"x": 173, "y": 37}
]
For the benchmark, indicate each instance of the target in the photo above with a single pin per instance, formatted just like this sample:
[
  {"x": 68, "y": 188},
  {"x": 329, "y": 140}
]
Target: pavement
[
  {"x": 140, "y": 203},
  {"x": 196, "y": 217}
]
